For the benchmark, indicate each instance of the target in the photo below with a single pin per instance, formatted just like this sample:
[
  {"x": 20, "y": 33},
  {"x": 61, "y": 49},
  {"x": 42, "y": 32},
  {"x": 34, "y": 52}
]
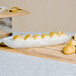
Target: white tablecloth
[{"x": 12, "y": 64}]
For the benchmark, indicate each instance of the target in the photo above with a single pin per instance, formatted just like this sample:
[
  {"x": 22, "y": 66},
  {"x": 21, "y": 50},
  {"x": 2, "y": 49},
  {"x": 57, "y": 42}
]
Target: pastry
[
  {"x": 2, "y": 44},
  {"x": 28, "y": 37},
  {"x": 18, "y": 38},
  {"x": 54, "y": 36},
  {"x": 37, "y": 37},
  {"x": 51, "y": 34},
  {"x": 69, "y": 49},
  {"x": 14, "y": 10},
  {"x": 45, "y": 36},
  {"x": 61, "y": 34},
  {"x": 75, "y": 37},
  {"x": 71, "y": 42}
]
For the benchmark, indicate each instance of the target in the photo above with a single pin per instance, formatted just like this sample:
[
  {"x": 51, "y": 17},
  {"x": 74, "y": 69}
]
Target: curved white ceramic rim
[{"x": 34, "y": 43}]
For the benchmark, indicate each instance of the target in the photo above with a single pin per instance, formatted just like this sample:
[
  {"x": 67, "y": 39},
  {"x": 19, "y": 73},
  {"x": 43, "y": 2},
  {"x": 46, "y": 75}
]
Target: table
[{"x": 12, "y": 64}]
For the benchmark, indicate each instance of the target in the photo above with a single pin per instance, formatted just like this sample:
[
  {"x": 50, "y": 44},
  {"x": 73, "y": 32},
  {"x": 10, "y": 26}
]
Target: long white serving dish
[{"x": 34, "y": 43}]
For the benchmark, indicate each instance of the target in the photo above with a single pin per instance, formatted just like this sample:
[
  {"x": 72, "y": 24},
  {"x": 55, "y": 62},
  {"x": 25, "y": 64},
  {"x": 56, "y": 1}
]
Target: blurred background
[{"x": 46, "y": 15}]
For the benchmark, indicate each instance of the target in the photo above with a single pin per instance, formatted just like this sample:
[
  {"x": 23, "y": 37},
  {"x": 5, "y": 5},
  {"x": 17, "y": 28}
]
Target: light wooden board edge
[
  {"x": 8, "y": 14},
  {"x": 5, "y": 35},
  {"x": 38, "y": 55}
]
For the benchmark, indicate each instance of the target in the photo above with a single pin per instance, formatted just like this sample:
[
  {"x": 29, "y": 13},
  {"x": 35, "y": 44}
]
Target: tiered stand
[
  {"x": 9, "y": 14},
  {"x": 6, "y": 14}
]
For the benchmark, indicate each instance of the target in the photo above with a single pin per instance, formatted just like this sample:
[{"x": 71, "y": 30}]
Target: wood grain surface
[
  {"x": 5, "y": 35},
  {"x": 50, "y": 52}
]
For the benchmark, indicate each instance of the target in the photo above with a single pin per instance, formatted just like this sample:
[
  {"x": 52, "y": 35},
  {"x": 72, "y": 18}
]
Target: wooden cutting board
[{"x": 51, "y": 52}]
